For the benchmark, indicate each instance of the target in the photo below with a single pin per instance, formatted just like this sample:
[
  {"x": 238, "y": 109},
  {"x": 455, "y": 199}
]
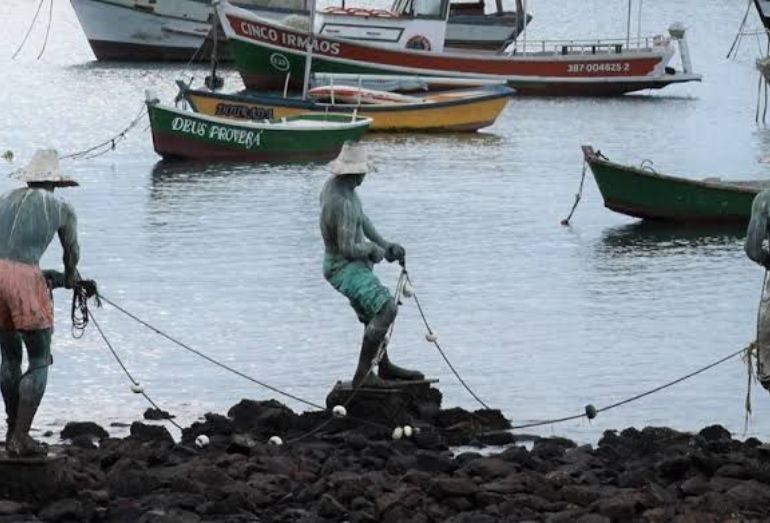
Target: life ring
[{"x": 418, "y": 42}]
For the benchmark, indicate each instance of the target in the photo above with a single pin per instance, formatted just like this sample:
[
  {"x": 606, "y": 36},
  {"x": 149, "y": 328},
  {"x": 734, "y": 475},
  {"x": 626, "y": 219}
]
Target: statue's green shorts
[{"x": 356, "y": 281}]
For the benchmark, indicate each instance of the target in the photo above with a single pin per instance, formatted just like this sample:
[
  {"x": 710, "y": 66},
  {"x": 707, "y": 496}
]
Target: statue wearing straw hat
[
  {"x": 353, "y": 247},
  {"x": 29, "y": 219}
]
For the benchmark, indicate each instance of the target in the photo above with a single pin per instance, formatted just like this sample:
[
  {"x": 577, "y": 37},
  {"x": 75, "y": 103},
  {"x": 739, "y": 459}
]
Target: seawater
[{"x": 540, "y": 319}]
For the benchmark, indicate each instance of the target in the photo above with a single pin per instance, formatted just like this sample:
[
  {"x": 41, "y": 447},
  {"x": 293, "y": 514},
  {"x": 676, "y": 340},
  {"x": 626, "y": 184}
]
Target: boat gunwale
[
  {"x": 373, "y": 108},
  {"x": 275, "y": 124},
  {"x": 592, "y": 157}
]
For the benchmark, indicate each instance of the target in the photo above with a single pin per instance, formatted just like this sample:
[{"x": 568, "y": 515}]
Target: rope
[
  {"x": 83, "y": 290},
  {"x": 441, "y": 351},
  {"x": 47, "y": 30},
  {"x": 578, "y": 195},
  {"x": 739, "y": 34},
  {"x": 107, "y": 145},
  {"x": 209, "y": 358},
  {"x": 128, "y": 373},
  {"x": 591, "y": 412},
  {"x": 29, "y": 30}
]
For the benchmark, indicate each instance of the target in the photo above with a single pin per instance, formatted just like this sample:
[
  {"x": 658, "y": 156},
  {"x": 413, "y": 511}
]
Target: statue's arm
[
  {"x": 345, "y": 224},
  {"x": 757, "y": 232},
  {"x": 68, "y": 236},
  {"x": 371, "y": 233}
]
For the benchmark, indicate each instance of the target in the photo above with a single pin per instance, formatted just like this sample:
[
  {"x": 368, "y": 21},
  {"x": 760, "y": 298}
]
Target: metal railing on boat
[{"x": 586, "y": 47}]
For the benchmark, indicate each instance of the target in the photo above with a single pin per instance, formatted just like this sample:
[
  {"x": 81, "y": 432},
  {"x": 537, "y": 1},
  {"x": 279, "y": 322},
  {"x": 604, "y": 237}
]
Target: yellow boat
[{"x": 448, "y": 111}]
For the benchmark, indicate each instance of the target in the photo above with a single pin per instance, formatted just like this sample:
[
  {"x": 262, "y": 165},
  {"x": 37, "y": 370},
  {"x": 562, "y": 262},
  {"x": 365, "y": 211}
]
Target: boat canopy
[{"x": 421, "y": 8}]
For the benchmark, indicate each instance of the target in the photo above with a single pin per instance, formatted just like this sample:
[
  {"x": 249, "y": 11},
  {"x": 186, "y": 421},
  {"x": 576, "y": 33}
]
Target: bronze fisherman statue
[
  {"x": 353, "y": 247},
  {"x": 29, "y": 219}
]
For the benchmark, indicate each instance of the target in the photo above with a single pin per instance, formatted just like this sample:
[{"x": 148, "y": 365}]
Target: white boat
[
  {"x": 164, "y": 30},
  {"x": 177, "y": 30}
]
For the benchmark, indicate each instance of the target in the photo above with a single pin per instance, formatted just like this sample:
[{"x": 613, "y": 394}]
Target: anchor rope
[
  {"x": 29, "y": 30},
  {"x": 108, "y": 144},
  {"x": 578, "y": 195}
]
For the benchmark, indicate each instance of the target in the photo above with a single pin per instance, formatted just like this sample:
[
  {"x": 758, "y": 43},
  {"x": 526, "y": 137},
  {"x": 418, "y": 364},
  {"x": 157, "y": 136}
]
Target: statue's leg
[
  {"x": 763, "y": 339},
  {"x": 10, "y": 373},
  {"x": 31, "y": 389},
  {"x": 389, "y": 371},
  {"x": 374, "y": 334}
]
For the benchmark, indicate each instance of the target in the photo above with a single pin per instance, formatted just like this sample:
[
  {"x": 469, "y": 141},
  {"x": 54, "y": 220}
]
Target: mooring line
[
  {"x": 109, "y": 144},
  {"x": 47, "y": 30},
  {"x": 29, "y": 30}
]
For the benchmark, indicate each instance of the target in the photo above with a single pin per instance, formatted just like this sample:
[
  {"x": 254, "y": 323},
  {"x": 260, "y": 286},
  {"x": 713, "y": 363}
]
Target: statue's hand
[
  {"x": 376, "y": 253},
  {"x": 54, "y": 279},
  {"x": 395, "y": 252}
]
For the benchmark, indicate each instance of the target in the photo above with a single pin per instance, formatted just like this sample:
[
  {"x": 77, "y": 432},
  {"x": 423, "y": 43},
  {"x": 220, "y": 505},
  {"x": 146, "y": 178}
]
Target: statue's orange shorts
[{"x": 25, "y": 301}]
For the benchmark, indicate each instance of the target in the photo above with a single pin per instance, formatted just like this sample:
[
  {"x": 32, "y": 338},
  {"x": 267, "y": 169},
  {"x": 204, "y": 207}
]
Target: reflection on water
[{"x": 648, "y": 238}]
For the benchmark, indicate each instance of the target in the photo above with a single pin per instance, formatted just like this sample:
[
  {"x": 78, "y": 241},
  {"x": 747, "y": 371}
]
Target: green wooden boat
[
  {"x": 644, "y": 193},
  {"x": 178, "y": 134}
]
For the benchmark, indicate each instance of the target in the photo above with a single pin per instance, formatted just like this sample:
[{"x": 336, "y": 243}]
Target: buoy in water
[
  {"x": 431, "y": 337},
  {"x": 202, "y": 441},
  {"x": 339, "y": 411},
  {"x": 407, "y": 290},
  {"x": 275, "y": 440},
  {"x": 398, "y": 433},
  {"x": 408, "y": 431},
  {"x": 136, "y": 388},
  {"x": 591, "y": 411}
]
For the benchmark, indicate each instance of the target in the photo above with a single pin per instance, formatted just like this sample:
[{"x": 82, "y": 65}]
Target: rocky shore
[{"x": 346, "y": 471}]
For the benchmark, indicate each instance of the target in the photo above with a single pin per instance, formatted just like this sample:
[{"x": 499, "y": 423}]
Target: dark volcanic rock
[
  {"x": 156, "y": 433},
  {"x": 347, "y": 472},
  {"x": 74, "y": 429},
  {"x": 715, "y": 433},
  {"x": 153, "y": 414}
]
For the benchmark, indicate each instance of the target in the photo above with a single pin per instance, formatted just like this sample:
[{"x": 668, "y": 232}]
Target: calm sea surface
[{"x": 539, "y": 318}]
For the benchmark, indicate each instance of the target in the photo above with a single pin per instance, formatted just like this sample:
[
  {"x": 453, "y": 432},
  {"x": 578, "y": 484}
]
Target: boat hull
[
  {"x": 467, "y": 110},
  {"x": 641, "y": 193},
  {"x": 267, "y": 53},
  {"x": 183, "y": 135},
  {"x": 124, "y": 32}
]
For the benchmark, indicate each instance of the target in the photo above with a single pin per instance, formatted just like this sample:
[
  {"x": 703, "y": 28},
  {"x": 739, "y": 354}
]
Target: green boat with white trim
[
  {"x": 179, "y": 134},
  {"x": 642, "y": 192}
]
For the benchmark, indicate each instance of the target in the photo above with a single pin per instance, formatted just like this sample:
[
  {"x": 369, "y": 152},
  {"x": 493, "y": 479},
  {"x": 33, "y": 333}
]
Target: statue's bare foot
[
  {"x": 371, "y": 380},
  {"x": 26, "y": 447},
  {"x": 389, "y": 371}
]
